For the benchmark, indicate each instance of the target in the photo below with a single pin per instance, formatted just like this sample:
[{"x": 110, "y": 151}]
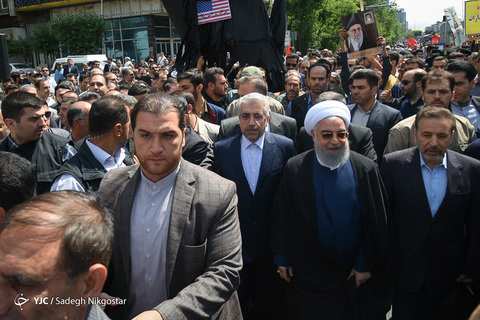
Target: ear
[
  {"x": 199, "y": 88},
  {"x": 76, "y": 122},
  {"x": 10, "y": 123},
  {"x": 118, "y": 129},
  {"x": 183, "y": 137},
  {"x": 190, "y": 108},
  {"x": 2, "y": 213},
  {"x": 210, "y": 86},
  {"x": 415, "y": 135},
  {"x": 93, "y": 280}
]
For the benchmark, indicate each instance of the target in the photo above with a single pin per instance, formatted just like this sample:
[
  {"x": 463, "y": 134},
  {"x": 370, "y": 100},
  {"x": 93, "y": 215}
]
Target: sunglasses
[
  {"x": 329, "y": 135},
  {"x": 45, "y": 70},
  {"x": 406, "y": 82},
  {"x": 291, "y": 64}
]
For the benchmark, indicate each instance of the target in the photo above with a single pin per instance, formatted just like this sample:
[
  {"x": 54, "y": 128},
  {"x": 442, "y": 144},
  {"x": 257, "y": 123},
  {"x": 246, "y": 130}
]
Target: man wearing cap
[{"x": 329, "y": 258}]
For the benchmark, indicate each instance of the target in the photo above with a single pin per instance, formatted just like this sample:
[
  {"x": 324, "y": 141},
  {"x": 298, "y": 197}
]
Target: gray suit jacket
[{"x": 203, "y": 248}]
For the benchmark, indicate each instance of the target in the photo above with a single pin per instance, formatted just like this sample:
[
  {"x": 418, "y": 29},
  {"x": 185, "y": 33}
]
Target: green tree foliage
[
  {"x": 20, "y": 47},
  {"x": 43, "y": 40},
  {"x": 413, "y": 33},
  {"x": 318, "y": 22},
  {"x": 80, "y": 33}
]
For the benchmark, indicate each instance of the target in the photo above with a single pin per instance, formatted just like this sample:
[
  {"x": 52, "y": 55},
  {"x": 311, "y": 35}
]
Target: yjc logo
[{"x": 20, "y": 300}]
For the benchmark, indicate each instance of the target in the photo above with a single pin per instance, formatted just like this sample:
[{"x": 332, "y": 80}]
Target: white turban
[{"x": 324, "y": 110}]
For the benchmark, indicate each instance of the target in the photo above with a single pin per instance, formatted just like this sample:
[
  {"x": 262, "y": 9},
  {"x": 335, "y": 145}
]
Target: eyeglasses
[
  {"x": 256, "y": 116},
  {"x": 291, "y": 64},
  {"x": 406, "y": 82},
  {"x": 327, "y": 135},
  {"x": 45, "y": 70}
]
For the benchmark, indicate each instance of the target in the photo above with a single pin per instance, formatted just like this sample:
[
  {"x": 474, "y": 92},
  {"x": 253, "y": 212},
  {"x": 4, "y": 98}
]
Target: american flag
[{"x": 213, "y": 10}]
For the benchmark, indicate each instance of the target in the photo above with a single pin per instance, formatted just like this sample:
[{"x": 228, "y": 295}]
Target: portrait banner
[
  {"x": 362, "y": 34},
  {"x": 455, "y": 25}
]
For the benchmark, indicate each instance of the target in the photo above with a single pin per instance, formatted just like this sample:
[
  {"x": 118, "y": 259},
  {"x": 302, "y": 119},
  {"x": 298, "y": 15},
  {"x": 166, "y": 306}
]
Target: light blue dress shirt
[
  {"x": 435, "y": 182},
  {"x": 149, "y": 224},
  {"x": 251, "y": 153}
]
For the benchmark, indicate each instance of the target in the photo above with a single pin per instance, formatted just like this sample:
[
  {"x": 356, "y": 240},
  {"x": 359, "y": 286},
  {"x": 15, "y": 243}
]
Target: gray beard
[
  {"x": 355, "y": 43},
  {"x": 333, "y": 160}
]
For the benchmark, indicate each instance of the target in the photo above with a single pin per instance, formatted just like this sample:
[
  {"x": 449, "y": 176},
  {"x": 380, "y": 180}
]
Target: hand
[
  {"x": 200, "y": 63},
  {"x": 360, "y": 277},
  {"x": 386, "y": 96},
  {"x": 381, "y": 41},
  {"x": 149, "y": 315},
  {"x": 343, "y": 39},
  {"x": 286, "y": 273},
  {"x": 463, "y": 278}
]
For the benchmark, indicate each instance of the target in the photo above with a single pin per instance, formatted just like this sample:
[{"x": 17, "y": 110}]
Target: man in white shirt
[{"x": 109, "y": 125}]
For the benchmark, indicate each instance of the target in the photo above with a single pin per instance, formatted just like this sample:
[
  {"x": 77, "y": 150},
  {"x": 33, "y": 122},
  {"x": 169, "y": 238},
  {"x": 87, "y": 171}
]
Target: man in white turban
[{"x": 330, "y": 238}]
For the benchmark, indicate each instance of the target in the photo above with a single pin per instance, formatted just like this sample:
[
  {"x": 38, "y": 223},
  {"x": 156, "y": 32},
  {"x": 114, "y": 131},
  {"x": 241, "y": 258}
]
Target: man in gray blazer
[{"x": 177, "y": 248}]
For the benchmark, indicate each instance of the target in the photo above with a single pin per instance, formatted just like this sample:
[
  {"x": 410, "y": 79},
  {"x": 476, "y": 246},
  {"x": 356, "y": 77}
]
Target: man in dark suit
[
  {"x": 434, "y": 198},
  {"x": 318, "y": 80},
  {"x": 278, "y": 124},
  {"x": 177, "y": 248},
  {"x": 70, "y": 68},
  {"x": 254, "y": 160},
  {"x": 330, "y": 238},
  {"x": 368, "y": 112}
]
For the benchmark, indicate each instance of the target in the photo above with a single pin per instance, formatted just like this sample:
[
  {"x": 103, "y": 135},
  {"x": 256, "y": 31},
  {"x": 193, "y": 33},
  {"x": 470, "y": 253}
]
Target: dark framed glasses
[
  {"x": 291, "y": 64},
  {"x": 406, "y": 82},
  {"x": 328, "y": 135}
]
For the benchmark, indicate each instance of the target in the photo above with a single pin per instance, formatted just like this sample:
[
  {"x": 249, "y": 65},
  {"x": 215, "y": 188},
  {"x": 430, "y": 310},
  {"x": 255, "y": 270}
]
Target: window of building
[{"x": 127, "y": 37}]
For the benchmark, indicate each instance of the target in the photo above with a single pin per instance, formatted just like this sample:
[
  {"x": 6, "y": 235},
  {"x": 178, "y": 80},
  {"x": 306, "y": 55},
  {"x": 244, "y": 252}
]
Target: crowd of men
[{"x": 354, "y": 191}]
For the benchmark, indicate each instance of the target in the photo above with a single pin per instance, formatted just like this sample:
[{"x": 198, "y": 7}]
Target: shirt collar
[
  {"x": 423, "y": 164},
  {"x": 163, "y": 183},
  {"x": 12, "y": 145},
  {"x": 245, "y": 143},
  {"x": 102, "y": 156}
]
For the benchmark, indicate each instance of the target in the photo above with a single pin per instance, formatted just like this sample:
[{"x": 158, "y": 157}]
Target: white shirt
[
  {"x": 361, "y": 117},
  {"x": 149, "y": 225},
  {"x": 68, "y": 182},
  {"x": 251, "y": 153}
]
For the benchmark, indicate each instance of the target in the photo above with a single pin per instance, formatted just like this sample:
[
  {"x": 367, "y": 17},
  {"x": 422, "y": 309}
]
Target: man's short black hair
[
  {"x": 292, "y": 56},
  {"x": 194, "y": 75},
  {"x": 15, "y": 102},
  {"x": 105, "y": 113},
  {"x": 370, "y": 75},
  {"x": 210, "y": 75},
  {"x": 158, "y": 103},
  {"x": 462, "y": 66},
  {"x": 138, "y": 89},
  {"x": 323, "y": 65},
  {"x": 18, "y": 180}
]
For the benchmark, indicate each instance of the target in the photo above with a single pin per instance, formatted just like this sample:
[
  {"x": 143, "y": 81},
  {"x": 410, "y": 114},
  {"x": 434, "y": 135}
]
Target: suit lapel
[
  {"x": 415, "y": 178},
  {"x": 181, "y": 207},
  {"x": 268, "y": 159},
  {"x": 454, "y": 180},
  {"x": 373, "y": 115},
  {"x": 124, "y": 207},
  {"x": 236, "y": 162}
]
